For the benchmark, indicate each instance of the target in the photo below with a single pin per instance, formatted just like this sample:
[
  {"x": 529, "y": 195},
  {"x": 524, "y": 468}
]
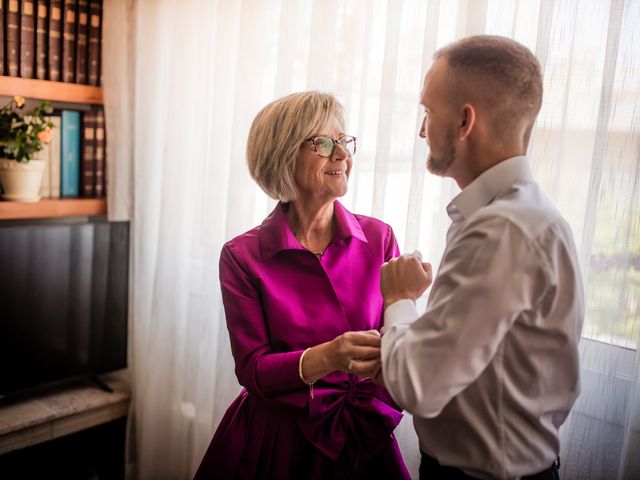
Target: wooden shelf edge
[
  {"x": 67, "y": 207},
  {"x": 48, "y": 90}
]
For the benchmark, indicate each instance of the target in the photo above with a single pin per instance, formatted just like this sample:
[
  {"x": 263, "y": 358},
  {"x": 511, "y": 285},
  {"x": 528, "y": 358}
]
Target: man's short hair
[
  {"x": 500, "y": 74},
  {"x": 276, "y": 136}
]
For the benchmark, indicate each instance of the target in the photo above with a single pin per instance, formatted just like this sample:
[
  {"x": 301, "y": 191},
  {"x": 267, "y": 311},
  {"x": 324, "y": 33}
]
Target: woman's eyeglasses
[{"x": 324, "y": 146}]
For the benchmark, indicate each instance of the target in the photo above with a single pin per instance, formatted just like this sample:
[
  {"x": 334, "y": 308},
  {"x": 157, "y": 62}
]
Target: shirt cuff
[{"x": 401, "y": 312}]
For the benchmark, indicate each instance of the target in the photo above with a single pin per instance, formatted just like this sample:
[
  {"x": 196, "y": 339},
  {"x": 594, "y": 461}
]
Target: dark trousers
[{"x": 430, "y": 469}]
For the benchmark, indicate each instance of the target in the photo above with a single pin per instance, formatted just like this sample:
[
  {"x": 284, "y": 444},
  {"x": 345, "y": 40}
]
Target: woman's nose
[{"x": 339, "y": 153}]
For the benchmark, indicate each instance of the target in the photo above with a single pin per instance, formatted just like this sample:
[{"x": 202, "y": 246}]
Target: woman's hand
[
  {"x": 356, "y": 352},
  {"x": 351, "y": 352}
]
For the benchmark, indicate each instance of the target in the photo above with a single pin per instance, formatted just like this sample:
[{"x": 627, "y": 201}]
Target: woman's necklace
[{"x": 319, "y": 254}]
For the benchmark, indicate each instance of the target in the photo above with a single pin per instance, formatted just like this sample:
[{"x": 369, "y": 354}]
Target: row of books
[
  {"x": 56, "y": 40},
  {"x": 75, "y": 155}
]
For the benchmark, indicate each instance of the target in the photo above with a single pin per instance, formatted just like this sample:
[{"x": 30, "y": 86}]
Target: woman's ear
[{"x": 467, "y": 122}]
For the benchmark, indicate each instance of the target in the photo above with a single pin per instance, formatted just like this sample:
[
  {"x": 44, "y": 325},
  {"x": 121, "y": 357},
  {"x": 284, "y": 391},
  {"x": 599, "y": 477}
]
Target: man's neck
[{"x": 482, "y": 162}]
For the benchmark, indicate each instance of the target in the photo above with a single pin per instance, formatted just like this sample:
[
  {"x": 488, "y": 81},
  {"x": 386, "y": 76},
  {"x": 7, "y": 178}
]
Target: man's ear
[{"x": 467, "y": 121}]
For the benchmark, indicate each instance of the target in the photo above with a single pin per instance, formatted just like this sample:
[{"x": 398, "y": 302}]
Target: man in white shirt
[{"x": 490, "y": 371}]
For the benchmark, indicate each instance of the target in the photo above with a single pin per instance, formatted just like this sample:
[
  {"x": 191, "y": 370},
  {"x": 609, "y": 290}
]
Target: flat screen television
[{"x": 63, "y": 302}]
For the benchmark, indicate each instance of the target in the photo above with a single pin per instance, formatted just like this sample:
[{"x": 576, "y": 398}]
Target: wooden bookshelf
[
  {"x": 46, "y": 208},
  {"x": 47, "y": 90},
  {"x": 55, "y": 92}
]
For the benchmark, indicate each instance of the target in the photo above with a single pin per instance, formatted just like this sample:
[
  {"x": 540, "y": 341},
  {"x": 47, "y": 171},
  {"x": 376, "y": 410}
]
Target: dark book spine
[
  {"x": 100, "y": 155},
  {"x": 2, "y": 42},
  {"x": 27, "y": 39},
  {"x": 81, "y": 42},
  {"x": 42, "y": 21},
  {"x": 69, "y": 41},
  {"x": 94, "y": 42},
  {"x": 13, "y": 38},
  {"x": 55, "y": 40},
  {"x": 87, "y": 187}
]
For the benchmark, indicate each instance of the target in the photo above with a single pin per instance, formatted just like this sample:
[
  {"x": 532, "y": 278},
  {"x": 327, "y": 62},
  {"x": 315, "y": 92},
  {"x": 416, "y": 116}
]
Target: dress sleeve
[
  {"x": 488, "y": 277},
  {"x": 391, "y": 245},
  {"x": 258, "y": 368}
]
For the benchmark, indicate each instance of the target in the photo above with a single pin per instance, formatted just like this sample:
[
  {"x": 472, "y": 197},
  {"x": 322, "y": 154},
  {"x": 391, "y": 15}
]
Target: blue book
[{"x": 70, "y": 154}]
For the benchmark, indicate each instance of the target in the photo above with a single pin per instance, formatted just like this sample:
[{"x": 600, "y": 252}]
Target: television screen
[{"x": 63, "y": 302}]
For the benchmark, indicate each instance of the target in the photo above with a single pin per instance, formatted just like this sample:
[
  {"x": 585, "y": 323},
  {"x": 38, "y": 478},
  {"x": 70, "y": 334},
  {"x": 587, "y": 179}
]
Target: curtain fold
[{"x": 183, "y": 80}]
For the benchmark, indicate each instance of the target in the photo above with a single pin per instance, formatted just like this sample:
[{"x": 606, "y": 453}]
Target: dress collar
[{"x": 276, "y": 235}]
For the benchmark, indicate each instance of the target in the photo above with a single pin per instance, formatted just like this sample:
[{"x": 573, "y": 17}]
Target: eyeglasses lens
[{"x": 325, "y": 145}]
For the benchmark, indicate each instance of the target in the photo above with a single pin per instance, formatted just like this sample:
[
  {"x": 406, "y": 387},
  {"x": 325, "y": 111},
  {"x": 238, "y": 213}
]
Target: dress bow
[{"x": 357, "y": 411}]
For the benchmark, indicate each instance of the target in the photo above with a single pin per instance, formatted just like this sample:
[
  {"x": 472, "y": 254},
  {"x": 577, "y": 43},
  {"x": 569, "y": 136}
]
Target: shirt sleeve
[
  {"x": 391, "y": 250},
  {"x": 260, "y": 370},
  {"x": 489, "y": 275}
]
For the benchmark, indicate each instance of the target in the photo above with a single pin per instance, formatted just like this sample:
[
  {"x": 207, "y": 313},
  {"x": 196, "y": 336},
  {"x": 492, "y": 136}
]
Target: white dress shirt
[{"x": 490, "y": 371}]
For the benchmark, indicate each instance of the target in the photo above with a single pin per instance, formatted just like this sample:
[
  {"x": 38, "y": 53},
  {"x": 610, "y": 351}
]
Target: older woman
[{"x": 303, "y": 308}]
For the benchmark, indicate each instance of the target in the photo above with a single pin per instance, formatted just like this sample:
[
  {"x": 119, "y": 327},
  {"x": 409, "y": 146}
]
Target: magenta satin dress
[{"x": 279, "y": 299}]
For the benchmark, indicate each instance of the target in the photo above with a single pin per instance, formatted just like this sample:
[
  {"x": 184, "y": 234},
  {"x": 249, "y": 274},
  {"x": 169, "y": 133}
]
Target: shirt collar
[
  {"x": 489, "y": 185},
  {"x": 276, "y": 235}
]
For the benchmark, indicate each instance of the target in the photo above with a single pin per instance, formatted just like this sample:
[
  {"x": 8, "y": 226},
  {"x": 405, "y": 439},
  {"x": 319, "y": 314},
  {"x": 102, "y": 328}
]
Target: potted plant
[{"x": 21, "y": 137}]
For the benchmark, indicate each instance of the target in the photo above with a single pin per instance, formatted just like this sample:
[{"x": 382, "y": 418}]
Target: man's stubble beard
[{"x": 439, "y": 166}]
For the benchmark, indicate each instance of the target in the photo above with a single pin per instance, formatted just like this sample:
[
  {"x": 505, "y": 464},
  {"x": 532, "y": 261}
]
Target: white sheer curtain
[{"x": 183, "y": 80}]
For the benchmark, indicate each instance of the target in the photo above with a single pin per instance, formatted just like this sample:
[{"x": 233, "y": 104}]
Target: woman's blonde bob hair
[{"x": 276, "y": 136}]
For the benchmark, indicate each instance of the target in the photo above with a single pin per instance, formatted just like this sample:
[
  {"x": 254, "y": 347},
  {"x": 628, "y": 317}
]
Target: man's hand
[{"x": 404, "y": 277}]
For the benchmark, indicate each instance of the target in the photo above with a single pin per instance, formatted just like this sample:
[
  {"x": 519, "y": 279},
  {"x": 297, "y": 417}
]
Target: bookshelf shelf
[
  {"x": 48, "y": 90},
  {"x": 47, "y": 208}
]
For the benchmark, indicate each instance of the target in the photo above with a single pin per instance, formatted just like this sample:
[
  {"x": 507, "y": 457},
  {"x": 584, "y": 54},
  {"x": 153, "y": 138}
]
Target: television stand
[
  {"x": 101, "y": 384},
  {"x": 63, "y": 425}
]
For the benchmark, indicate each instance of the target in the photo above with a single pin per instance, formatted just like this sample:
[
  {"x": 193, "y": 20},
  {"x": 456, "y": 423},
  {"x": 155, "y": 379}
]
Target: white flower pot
[{"x": 21, "y": 181}]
